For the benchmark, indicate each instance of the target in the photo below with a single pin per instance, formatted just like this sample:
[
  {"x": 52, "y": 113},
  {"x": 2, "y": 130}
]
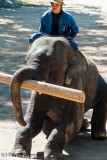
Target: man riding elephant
[
  {"x": 55, "y": 61},
  {"x": 57, "y": 22}
]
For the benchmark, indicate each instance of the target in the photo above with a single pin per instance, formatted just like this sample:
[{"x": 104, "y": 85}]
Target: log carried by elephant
[
  {"x": 50, "y": 89},
  {"x": 55, "y": 61}
]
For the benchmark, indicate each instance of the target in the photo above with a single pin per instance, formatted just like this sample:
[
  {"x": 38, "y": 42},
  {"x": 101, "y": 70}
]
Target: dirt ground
[{"x": 16, "y": 25}]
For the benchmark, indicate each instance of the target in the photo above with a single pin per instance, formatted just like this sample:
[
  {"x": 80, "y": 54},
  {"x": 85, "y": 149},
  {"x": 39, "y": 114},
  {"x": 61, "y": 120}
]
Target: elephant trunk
[{"x": 18, "y": 78}]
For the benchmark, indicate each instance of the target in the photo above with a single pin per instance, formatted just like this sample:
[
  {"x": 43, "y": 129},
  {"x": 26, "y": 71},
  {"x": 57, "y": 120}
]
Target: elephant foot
[
  {"x": 49, "y": 154},
  {"x": 19, "y": 151},
  {"x": 55, "y": 156},
  {"x": 22, "y": 148},
  {"x": 99, "y": 134}
]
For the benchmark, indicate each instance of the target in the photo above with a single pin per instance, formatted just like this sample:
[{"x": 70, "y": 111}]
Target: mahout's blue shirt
[{"x": 67, "y": 25}]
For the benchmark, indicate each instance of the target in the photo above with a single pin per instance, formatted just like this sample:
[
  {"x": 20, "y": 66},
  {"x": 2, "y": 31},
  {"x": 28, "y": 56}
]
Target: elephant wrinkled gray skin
[{"x": 53, "y": 60}]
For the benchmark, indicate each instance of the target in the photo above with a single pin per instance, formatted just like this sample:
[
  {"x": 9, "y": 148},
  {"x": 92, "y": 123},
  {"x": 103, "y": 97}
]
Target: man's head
[
  {"x": 61, "y": 2},
  {"x": 56, "y": 5}
]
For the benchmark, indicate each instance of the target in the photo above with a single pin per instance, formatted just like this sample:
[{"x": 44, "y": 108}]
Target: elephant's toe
[
  {"x": 101, "y": 135},
  {"x": 19, "y": 152}
]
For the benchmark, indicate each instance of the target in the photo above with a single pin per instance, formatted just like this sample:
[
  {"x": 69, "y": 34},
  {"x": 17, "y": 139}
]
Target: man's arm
[
  {"x": 74, "y": 29},
  {"x": 42, "y": 27},
  {"x": 72, "y": 34}
]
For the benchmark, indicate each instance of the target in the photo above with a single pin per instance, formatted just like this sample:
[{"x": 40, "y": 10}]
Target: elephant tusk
[{"x": 68, "y": 80}]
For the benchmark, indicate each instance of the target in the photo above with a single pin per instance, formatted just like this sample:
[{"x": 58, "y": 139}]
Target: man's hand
[{"x": 69, "y": 38}]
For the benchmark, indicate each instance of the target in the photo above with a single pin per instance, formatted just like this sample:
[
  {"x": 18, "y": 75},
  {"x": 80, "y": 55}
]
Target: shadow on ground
[{"x": 83, "y": 147}]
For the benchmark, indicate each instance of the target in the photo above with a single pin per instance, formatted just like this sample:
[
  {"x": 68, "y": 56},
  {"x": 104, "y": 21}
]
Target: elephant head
[{"x": 50, "y": 59}]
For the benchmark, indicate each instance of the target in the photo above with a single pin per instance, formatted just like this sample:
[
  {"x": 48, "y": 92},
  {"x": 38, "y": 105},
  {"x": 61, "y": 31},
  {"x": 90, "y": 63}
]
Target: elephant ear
[{"x": 77, "y": 65}]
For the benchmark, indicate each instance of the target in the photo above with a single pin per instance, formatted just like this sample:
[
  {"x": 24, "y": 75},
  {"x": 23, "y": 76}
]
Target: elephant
[{"x": 54, "y": 60}]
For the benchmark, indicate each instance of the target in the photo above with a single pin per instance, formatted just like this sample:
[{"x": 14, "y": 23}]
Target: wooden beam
[{"x": 49, "y": 89}]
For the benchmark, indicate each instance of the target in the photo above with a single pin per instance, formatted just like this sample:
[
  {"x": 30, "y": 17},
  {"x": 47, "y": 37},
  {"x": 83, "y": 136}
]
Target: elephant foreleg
[
  {"x": 62, "y": 134},
  {"x": 55, "y": 144},
  {"x": 34, "y": 120},
  {"x": 71, "y": 125},
  {"x": 76, "y": 113}
]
